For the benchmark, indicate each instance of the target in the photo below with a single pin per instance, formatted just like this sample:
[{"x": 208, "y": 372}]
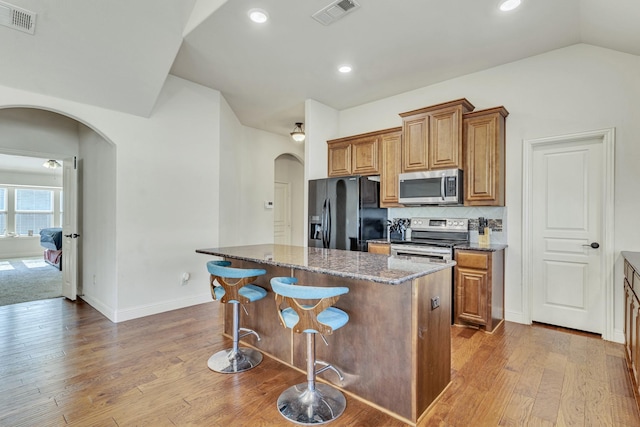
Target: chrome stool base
[
  {"x": 302, "y": 406},
  {"x": 230, "y": 362}
]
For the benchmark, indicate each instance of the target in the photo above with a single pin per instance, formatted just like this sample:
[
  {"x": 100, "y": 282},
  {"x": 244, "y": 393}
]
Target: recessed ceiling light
[
  {"x": 344, "y": 69},
  {"x": 508, "y": 5},
  {"x": 258, "y": 15}
]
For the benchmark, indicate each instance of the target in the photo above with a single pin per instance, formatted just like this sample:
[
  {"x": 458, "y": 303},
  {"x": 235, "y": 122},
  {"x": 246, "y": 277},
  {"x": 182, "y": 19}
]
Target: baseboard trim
[{"x": 150, "y": 309}]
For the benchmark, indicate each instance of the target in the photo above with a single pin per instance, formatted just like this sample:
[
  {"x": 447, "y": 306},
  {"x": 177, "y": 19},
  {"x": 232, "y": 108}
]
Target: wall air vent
[
  {"x": 19, "y": 19},
  {"x": 336, "y": 10}
]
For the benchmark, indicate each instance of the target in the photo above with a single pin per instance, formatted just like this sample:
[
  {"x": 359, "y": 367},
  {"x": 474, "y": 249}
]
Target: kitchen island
[{"x": 395, "y": 352}]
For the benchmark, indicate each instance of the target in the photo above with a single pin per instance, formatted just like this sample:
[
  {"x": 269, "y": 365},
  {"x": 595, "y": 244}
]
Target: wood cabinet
[
  {"x": 479, "y": 288},
  {"x": 355, "y": 155},
  {"x": 632, "y": 321},
  {"x": 391, "y": 148},
  {"x": 432, "y": 136},
  {"x": 484, "y": 164},
  {"x": 379, "y": 248}
]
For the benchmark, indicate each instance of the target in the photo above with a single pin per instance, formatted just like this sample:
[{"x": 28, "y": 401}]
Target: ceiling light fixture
[
  {"x": 298, "y": 133},
  {"x": 52, "y": 164},
  {"x": 344, "y": 69},
  {"x": 508, "y": 5},
  {"x": 259, "y": 16}
]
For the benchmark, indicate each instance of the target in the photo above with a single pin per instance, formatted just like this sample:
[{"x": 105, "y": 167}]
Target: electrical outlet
[
  {"x": 435, "y": 303},
  {"x": 185, "y": 279}
]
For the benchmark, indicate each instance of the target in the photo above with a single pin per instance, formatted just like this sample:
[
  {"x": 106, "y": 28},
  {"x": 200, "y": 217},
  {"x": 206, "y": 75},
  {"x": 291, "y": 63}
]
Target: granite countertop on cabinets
[
  {"x": 477, "y": 247},
  {"x": 377, "y": 268},
  {"x": 633, "y": 258}
]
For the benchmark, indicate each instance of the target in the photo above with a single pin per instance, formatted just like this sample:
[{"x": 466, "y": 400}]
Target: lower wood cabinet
[
  {"x": 479, "y": 288},
  {"x": 379, "y": 248},
  {"x": 632, "y": 321}
]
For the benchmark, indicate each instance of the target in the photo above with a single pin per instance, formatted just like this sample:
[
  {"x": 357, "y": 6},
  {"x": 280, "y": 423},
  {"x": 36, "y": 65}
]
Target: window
[
  {"x": 34, "y": 210},
  {"x": 3, "y": 211}
]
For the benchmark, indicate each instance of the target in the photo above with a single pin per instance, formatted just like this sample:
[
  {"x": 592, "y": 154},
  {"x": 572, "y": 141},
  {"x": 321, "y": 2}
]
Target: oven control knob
[{"x": 448, "y": 222}]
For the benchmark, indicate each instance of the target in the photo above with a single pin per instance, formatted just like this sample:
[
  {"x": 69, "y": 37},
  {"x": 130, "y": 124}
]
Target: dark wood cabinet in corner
[
  {"x": 484, "y": 148},
  {"x": 479, "y": 288},
  {"x": 432, "y": 136}
]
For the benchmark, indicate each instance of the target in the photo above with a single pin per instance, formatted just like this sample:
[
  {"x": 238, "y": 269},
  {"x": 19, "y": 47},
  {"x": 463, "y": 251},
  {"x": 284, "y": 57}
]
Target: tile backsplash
[{"x": 495, "y": 215}]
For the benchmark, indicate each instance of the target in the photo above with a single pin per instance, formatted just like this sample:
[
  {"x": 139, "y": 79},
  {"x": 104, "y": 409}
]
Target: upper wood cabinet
[
  {"x": 484, "y": 165},
  {"x": 432, "y": 136},
  {"x": 391, "y": 148},
  {"x": 354, "y": 155}
]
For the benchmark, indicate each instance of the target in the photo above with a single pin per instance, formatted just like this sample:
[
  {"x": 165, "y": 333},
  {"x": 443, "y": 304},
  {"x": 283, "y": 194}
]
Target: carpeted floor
[{"x": 28, "y": 279}]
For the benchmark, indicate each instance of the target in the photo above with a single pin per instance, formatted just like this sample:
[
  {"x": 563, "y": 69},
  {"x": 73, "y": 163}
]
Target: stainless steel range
[{"x": 433, "y": 238}]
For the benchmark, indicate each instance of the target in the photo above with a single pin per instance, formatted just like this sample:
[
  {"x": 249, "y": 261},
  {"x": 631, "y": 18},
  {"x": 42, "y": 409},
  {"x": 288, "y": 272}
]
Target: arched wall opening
[
  {"x": 289, "y": 179},
  {"x": 39, "y": 132}
]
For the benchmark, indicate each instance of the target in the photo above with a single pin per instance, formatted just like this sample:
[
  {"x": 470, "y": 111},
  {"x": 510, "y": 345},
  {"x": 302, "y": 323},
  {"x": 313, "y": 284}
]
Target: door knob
[{"x": 594, "y": 245}]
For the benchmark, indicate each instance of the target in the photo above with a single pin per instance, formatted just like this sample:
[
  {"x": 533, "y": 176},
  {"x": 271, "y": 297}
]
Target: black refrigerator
[{"x": 345, "y": 212}]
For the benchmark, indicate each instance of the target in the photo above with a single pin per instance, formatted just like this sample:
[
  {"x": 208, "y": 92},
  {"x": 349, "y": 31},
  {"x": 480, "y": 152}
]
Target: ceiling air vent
[
  {"x": 333, "y": 12},
  {"x": 19, "y": 19}
]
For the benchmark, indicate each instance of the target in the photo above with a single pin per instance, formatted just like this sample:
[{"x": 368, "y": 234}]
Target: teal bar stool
[
  {"x": 310, "y": 403},
  {"x": 235, "y": 288}
]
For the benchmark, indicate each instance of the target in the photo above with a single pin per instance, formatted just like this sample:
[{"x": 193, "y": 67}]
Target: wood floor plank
[{"x": 64, "y": 364}]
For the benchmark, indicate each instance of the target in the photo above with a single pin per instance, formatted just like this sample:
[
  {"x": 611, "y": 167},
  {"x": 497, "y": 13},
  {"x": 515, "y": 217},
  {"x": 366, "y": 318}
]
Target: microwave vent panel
[
  {"x": 336, "y": 10},
  {"x": 19, "y": 19}
]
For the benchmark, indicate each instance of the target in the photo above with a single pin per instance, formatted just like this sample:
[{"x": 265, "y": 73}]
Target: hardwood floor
[{"x": 63, "y": 363}]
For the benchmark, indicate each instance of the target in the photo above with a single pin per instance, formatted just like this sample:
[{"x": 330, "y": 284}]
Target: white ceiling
[{"x": 116, "y": 54}]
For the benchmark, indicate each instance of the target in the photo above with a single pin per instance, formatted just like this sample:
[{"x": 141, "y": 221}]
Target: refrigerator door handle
[
  {"x": 328, "y": 224},
  {"x": 323, "y": 224}
]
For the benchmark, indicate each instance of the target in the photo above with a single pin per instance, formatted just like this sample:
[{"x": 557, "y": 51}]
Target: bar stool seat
[
  {"x": 310, "y": 403},
  {"x": 236, "y": 292}
]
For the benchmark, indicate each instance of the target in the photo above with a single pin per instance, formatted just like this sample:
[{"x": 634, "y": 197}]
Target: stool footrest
[
  {"x": 248, "y": 332},
  {"x": 326, "y": 366}
]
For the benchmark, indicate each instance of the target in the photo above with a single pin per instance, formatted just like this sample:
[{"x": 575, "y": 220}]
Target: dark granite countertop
[
  {"x": 477, "y": 247},
  {"x": 633, "y": 258},
  {"x": 350, "y": 264}
]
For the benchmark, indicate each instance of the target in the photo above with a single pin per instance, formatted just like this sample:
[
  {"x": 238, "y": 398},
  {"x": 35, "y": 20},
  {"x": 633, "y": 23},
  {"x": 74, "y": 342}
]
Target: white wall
[
  {"x": 97, "y": 195},
  {"x": 166, "y": 195},
  {"x": 569, "y": 90}
]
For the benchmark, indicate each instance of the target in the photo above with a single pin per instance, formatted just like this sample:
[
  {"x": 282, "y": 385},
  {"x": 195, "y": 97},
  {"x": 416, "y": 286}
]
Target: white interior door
[
  {"x": 70, "y": 231},
  {"x": 566, "y": 225},
  {"x": 282, "y": 214}
]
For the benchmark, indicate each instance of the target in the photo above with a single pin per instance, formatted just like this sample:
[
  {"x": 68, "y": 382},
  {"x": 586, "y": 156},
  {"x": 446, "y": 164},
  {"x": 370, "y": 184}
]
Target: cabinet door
[
  {"x": 415, "y": 130},
  {"x": 445, "y": 139},
  {"x": 484, "y": 157},
  {"x": 628, "y": 318},
  {"x": 379, "y": 248},
  {"x": 339, "y": 160},
  {"x": 635, "y": 339},
  {"x": 365, "y": 154},
  {"x": 391, "y": 167},
  {"x": 471, "y": 296}
]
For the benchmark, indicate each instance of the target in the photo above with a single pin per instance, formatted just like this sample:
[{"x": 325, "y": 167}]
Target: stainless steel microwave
[{"x": 438, "y": 187}]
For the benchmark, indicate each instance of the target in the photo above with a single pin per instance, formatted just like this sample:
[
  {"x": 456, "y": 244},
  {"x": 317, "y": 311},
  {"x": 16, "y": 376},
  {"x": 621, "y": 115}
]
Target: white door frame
[{"x": 608, "y": 142}]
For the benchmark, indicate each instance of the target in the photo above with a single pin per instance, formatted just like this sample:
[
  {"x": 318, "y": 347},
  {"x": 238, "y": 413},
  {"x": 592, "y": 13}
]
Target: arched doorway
[
  {"x": 35, "y": 132},
  {"x": 288, "y": 211}
]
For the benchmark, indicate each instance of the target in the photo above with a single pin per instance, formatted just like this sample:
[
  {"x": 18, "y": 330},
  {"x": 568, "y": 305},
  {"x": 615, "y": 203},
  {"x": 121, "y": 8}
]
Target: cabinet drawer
[{"x": 477, "y": 260}]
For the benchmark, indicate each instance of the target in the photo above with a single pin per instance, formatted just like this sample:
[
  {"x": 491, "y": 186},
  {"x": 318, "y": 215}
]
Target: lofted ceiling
[{"x": 117, "y": 54}]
